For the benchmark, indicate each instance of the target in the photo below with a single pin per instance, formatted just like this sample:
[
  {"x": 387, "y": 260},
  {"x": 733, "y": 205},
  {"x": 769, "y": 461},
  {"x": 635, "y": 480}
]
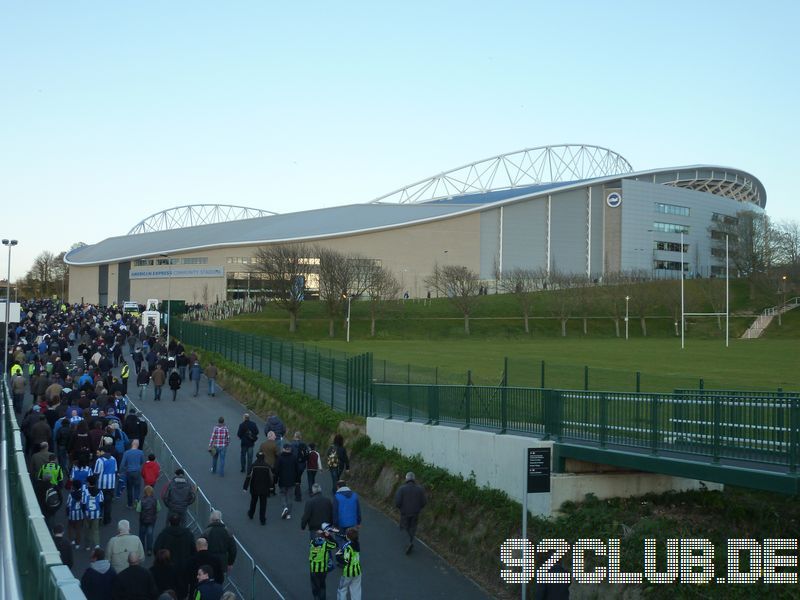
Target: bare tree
[
  {"x": 285, "y": 270},
  {"x": 788, "y": 246},
  {"x": 524, "y": 284},
  {"x": 563, "y": 295},
  {"x": 383, "y": 286},
  {"x": 752, "y": 244},
  {"x": 341, "y": 276},
  {"x": 713, "y": 291},
  {"x": 42, "y": 272},
  {"x": 613, "y": 298},
  {"x": 637, "y": 285},
  {"x": 460, "y": 285}
]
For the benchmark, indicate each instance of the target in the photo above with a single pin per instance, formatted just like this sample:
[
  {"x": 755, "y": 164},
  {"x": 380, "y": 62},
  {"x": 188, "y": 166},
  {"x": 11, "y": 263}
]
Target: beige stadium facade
[{"x": 604, "y": 219}]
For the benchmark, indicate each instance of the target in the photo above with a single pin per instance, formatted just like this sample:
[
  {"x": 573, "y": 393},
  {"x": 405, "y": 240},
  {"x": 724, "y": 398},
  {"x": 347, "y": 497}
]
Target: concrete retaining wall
[{"x": 498, "y": 461}]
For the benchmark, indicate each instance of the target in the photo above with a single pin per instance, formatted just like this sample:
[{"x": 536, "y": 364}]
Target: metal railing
[
  {"x": 35, "y": 569},
  {"x": 746, "y": 426},
  {"x": 247, "y": 579}
]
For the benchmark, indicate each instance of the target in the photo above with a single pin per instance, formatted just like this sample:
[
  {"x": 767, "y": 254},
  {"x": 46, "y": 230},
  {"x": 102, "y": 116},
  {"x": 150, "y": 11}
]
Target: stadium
[{"x": 571, "y": 208}]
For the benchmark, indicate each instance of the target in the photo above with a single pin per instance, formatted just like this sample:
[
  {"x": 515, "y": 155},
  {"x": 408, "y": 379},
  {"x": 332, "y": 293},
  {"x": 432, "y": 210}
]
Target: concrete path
[{"x": 280, "y": 547}]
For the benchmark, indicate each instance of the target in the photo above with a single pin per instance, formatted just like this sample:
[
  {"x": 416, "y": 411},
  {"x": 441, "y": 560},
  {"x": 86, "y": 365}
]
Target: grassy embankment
[{"x": 467, "y": 524}]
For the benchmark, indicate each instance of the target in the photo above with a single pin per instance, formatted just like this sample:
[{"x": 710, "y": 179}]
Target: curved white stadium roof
[{"x": 340, "y": 221}]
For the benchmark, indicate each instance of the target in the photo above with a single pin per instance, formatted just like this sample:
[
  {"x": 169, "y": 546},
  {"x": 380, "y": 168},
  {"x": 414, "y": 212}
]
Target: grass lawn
[{"x": 430, "y": 337}]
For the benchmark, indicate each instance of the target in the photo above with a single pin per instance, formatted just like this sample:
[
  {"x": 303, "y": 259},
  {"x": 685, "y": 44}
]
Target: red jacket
[{"x": 150, "y": 472}]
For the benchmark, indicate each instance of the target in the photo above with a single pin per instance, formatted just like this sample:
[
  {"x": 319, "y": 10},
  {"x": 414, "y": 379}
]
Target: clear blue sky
[{"x": 110, "y": 111}]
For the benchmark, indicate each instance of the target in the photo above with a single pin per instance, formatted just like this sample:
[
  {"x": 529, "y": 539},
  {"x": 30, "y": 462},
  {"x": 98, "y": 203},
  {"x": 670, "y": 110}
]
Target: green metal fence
[
  {"x": 41, "y": 573},
  {"x": 753, "y": 426}
]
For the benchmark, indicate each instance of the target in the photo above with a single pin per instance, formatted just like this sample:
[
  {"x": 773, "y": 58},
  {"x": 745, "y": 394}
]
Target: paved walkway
[{"x": 280, "y": 547}]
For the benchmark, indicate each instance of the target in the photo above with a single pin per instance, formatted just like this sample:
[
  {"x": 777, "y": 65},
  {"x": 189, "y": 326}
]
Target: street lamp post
[
  {"x": 783, "y": 299},
  {"x": 683, "y": 312},
  {"x": 345, "y": 295},
  {"x": 10, "y": 244},
  {"x": 627, "y": 298},
  {"x": 169, "y": 298}
]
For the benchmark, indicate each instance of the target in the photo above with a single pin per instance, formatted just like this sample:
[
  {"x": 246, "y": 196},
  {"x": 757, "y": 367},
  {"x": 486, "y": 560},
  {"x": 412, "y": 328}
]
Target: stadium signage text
[{"x": 177, "y": 273}]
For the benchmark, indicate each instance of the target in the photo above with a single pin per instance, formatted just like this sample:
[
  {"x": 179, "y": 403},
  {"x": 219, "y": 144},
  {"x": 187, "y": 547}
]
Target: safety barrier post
[
  {"x": 542, "y": 385},
  {"x": 291, "y": 366},
  {"x": 333, "y": 379},
  {"x": 603, "y": 419},
  {"x": 305, "y": 367},
  {"x": 794, "y": 420},
  {"x": 504, "y": 398},
  {"x": 280, "y": 362},
  {"x": 654, "y": 424},
  {"x": 261, "y": 356},
  {"x": 467, "y": 400},
  {"x": 716, "y": 428},
  {"x": 586, "y": 378},
  {"x": 638, "y": 382},
  {"x": 319, "y": 373}
]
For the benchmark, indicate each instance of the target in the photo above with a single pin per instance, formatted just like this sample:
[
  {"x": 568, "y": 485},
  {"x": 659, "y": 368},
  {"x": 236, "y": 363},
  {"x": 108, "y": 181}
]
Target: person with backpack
[
  {"x": 319, "y": 554},
  {"x": 92, "y": 502},
  {"x": 247, "y": 434},
  {"x": 336, "y": 460},
  {"x": 300, "y": 452},
  {"x": 312, "y": 466},
  {"x": 350, "y": 561},
  {"x": 148, "y": 508},
  {"x": 174, "y": 383}
]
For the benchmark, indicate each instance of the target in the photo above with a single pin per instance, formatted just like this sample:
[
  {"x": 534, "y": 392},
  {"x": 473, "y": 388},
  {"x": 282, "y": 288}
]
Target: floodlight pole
[
  {"x": 348, "y": 316},
  {"x": 683, "y": 323},
  {"x": 727, "y": 295},
  {"x": 627, "y": 298},
  {"x": 10, "y": 244}
]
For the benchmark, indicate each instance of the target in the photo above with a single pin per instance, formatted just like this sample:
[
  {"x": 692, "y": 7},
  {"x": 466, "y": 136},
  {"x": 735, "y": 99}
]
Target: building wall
[
  {"x": 83, "y": 284},
  {"x": 639, "y": 214}
]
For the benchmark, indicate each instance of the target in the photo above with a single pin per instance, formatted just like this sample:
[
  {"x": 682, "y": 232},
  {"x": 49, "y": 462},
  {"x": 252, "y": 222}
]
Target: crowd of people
[{"x": 86, "y": 448}]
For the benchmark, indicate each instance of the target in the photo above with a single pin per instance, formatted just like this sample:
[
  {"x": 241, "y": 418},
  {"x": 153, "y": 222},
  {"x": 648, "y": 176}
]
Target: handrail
[
  {"x": 208, "y": 507},
  {"x": 8, "y": 567}
]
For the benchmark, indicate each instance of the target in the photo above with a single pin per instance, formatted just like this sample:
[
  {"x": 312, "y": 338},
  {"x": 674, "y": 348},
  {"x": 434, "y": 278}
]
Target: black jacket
[
  {"x": 259, "y": 479},
  {"x": 286, "y": 470},
  {"x": 135, "y": 583},
  {"x": 247, "y": 433},
  {"x": 180, "y": 543},
  {"x": 167, "y": 577},
  {"x": 410, "y": 499},
  {"x": 318, "y": 510},
  {"x": 221, "y": 543}
]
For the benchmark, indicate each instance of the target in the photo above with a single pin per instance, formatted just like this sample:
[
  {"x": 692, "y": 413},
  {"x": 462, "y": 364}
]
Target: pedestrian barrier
[
  {"x": 31, "y": 564},
  {"x": 247, "y": 579}
]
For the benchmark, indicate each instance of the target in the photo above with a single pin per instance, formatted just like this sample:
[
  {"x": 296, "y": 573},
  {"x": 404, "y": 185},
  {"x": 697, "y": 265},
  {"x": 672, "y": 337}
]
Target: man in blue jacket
[{"x": 346, "y": 507}]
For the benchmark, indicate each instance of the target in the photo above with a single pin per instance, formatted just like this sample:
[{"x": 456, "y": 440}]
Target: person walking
[
  {"x": 258, "y": 482},
  {"x": 337, "y": 460},
  {"x": 312, "y": 466},
  {"x": 174, "y": 383},
  {"x": 92, "y": 502},
  {"x": 211, "y": 375},
  {"x": 203, "y": 557},
  {"x": 135, "y": 582},
  {"x": 159, "y": 379},
  {"x": 151, "y": 471},
  {"x": 75, "y": 514},
  {"x": 148, "y": 508},
  {"x": 221, "y": 543},
  {"x": 98, "y": 579},
  {"x": 179, "y": 541},
  {"x": 350, "y": 583},
  {"x": 410, "y": 500},
  {"x": 179, "y": 495},
  {"x": 63, "y": 546},
  {"x": 346, "y": 507},
  {"x": 318, "y": 510},
  {"x": 287, "y": 478},
  {"x": 195, "y": 371},
  {"x": 270, "y": 451},
  {"x": 165, "y": 572},
  {"x": 218, "y": 446},
  {"x": 131, "y": 469},
  {"x": 207, "y": 588},
  {"x": 319, "y": 552},
  {"x": 300, "y": 452},
  {"x": 105, "y": 468},
  {"x": 247, "y": 434},
  {"x": 142, "y": 382},
  {"x": 123, "y": 545}
]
